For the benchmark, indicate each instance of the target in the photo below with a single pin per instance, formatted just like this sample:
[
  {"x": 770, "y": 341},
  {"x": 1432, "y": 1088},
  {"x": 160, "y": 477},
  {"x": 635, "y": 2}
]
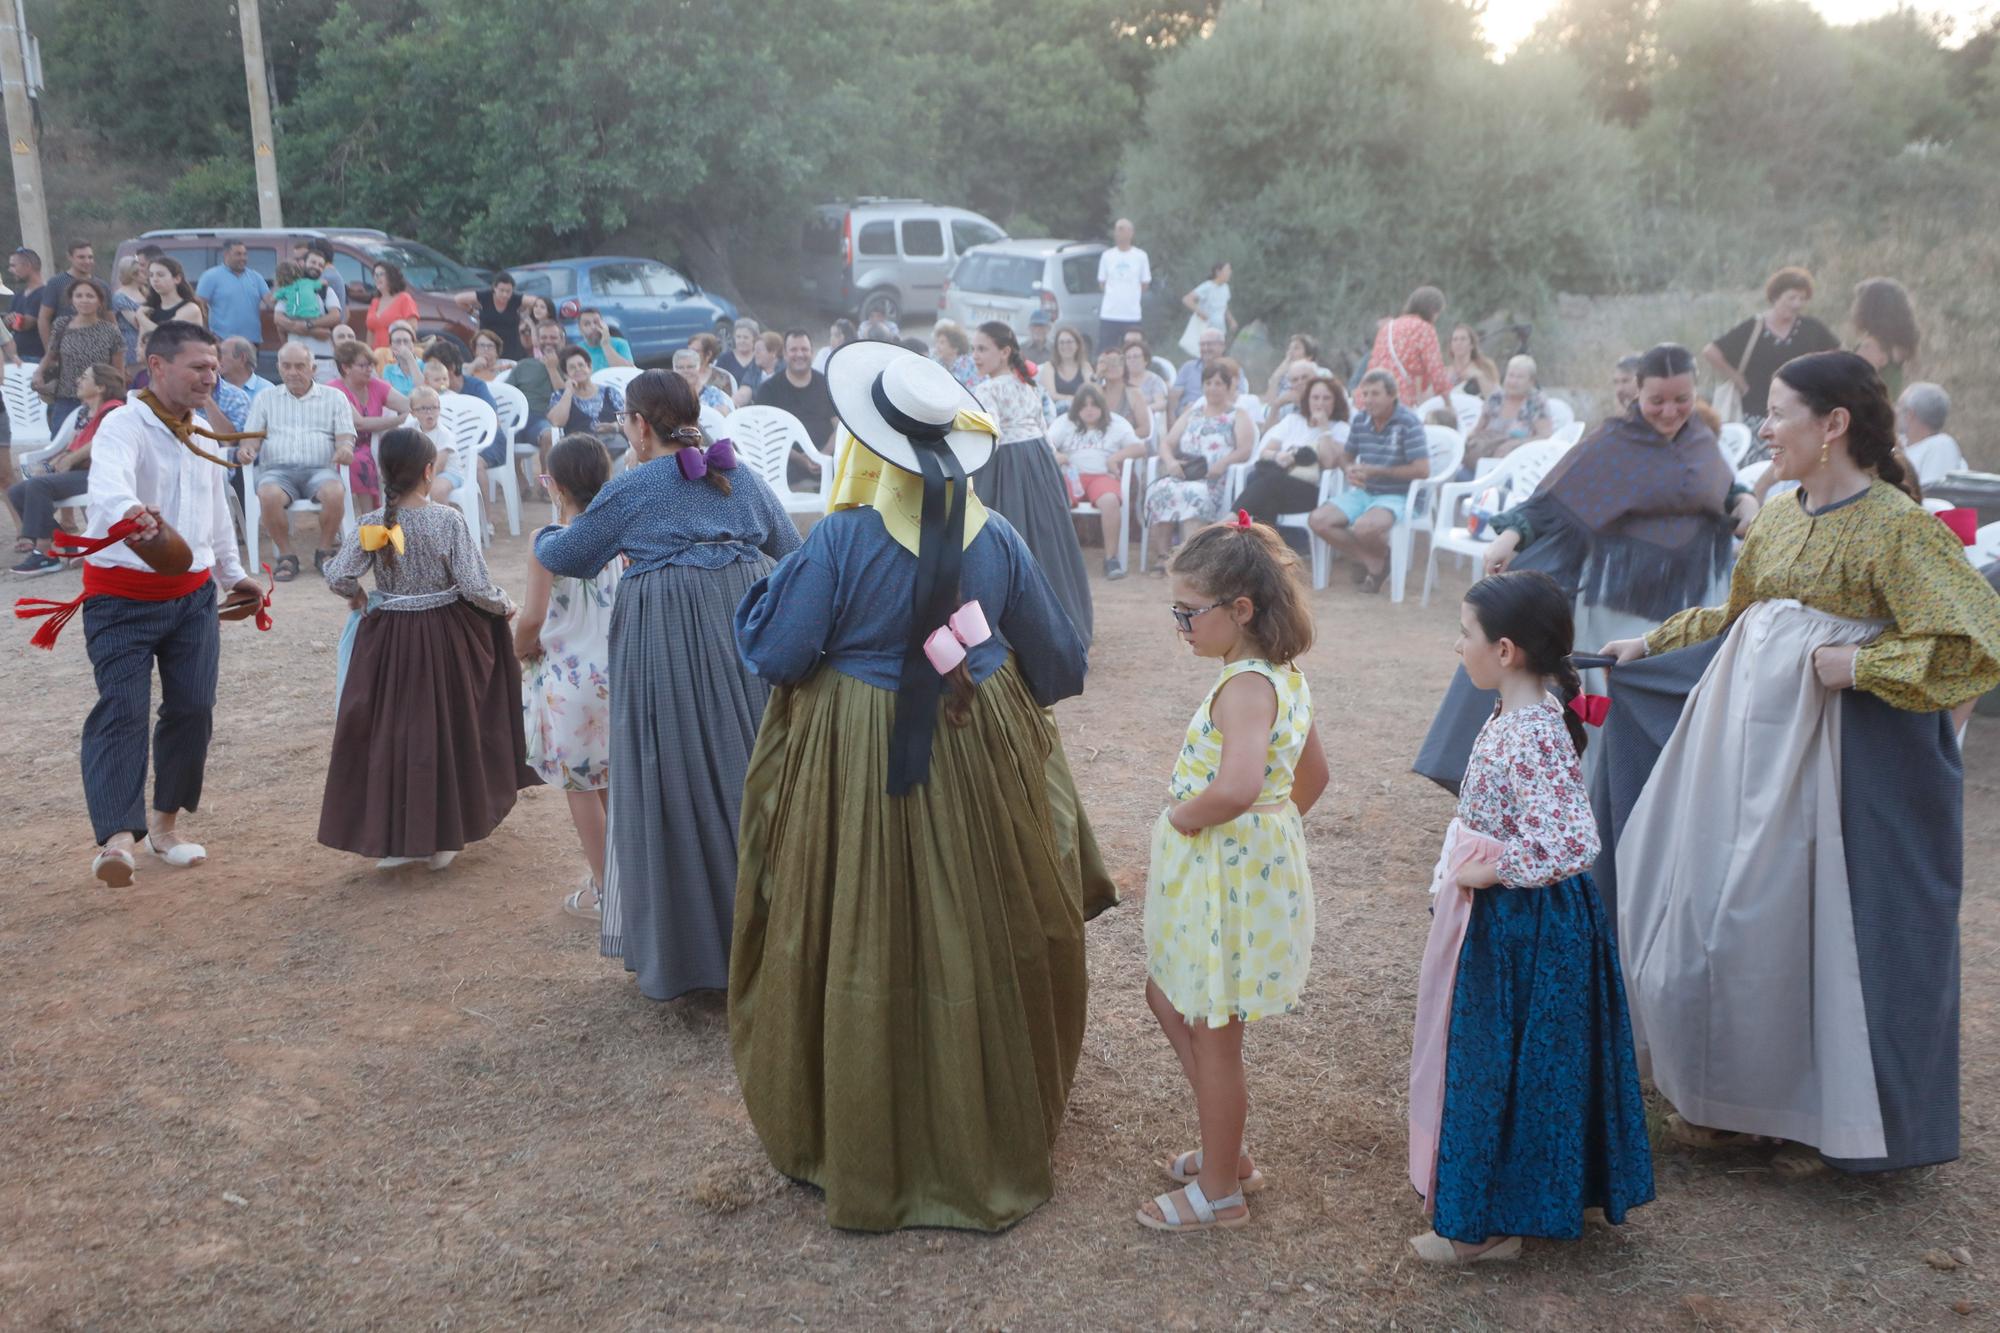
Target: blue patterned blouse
[{"x": 658, "y": 517}]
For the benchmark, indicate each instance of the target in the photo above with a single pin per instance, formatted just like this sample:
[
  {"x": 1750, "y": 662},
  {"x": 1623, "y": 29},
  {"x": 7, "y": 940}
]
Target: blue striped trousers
[{"x": 125, "y": 638}]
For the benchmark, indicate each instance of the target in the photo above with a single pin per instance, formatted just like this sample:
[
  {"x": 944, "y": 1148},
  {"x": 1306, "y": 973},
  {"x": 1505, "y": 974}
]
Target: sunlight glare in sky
[{"x": 1508, "y": 22}]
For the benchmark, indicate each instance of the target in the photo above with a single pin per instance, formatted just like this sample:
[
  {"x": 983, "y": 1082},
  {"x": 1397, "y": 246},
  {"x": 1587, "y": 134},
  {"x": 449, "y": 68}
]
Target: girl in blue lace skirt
[{"x": 1524, "y": 1092}]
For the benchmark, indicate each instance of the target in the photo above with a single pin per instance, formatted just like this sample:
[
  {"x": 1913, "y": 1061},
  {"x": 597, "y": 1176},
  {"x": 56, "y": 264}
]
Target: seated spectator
[
  {"x": 1299, "y": 347},
  {"x": 488, "y": 364},
  {"x": 767, "y": 358},
  {"x": 1093, "y": 443},
  {"x": 951, "y": 349},
  {"x": 239, "y": 366},
  {"x": 228, "y": 400},
  {"x": 839, "y": 335},
  {"x": 1625, "y": 382},
  {"x": 1407, "y": 348},
  {"x": 404, "y": 365},
  {"x": 536, "y": 310},
  {"x": 1189, "y": 380},
  {"x": 1120, "y": 397},
  {"x": 1285, "y": 478},
  {"x": 308, "y": 433},
  {"x": 741, "y": 354},
  {"x": 1921, "y": 414},
  {"x": 539, "y": 378},
  {"x": 34, "y": 500},
  {"x": 168, "y": 296},
  {"x": 1139, "y": 373},
  {"x": 499, "y": 310},
  {"x": 377, "y": 406},
  {"x": 687, "y": 364},
  {"x": 1470, "y": 368},
  {"x": 1068, "y": 369},
  {"x": 391, "y": 305},
  {"x": 1515, "y": 414},
  {"x": 1195, "y": 458},
  {"x": 427, "y": 414},
  {"x": 76, "y": 341},
  {"x": 802, "y": 391},
  {"x": 1036, "y": 347},
  {"x": 605, "y": 348},
  {"x": 441, "y": 358},
  {"x": 1386, "y": 451},
  {"x": 583, "y": 407},
  {"x": 708, "y": 347}
]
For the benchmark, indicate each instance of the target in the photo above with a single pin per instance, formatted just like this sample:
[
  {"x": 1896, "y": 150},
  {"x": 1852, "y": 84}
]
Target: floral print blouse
[
  {"x": 1878, "y": 556},
  {"x": 1015, "y": 406},
  {"x": 1524, "y": 787}
]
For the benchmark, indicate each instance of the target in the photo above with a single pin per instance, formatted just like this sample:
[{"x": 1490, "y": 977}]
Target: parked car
[
  {"x": 1011, "y": 280},
  {"x": 646, "y": 303},
  {"x": 434, "y": 278},
  {"x": 874, "y": 258}
]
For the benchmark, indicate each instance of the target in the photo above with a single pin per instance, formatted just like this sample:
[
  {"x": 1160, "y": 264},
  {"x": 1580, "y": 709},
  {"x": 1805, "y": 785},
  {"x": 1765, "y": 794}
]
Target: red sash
[{"x": 134, "y": 585}]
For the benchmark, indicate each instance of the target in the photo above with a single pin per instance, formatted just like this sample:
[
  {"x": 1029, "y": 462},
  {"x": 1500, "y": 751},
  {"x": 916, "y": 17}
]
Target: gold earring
[{"x": 1825, "y": 452}]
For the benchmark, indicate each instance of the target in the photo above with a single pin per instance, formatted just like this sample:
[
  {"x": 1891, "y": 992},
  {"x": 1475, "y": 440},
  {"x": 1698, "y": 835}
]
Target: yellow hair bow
[
  {"x": 972, "y": 418},
  {"x": 374, "y": 537}
]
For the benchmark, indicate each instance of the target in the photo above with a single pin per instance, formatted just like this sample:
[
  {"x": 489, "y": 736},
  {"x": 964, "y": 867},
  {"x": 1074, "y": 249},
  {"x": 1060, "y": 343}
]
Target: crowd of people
[{"x": 822, "y": 773}]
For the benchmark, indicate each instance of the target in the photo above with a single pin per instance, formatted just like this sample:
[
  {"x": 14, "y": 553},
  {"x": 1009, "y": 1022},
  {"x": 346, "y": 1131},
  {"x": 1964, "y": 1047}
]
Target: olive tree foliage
[{"x": 1340, "y": 155}]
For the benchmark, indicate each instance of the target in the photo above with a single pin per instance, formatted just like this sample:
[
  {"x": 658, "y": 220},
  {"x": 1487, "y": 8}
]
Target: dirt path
[{"x": 285, "y": 1091}]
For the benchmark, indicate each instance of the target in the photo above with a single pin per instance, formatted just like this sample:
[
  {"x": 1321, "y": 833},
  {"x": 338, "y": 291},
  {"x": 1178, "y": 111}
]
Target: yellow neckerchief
[
  {"x": 185, "y": 430},
  {"x": 865, "y": 480},
  {"x": 374, "y": 537}
]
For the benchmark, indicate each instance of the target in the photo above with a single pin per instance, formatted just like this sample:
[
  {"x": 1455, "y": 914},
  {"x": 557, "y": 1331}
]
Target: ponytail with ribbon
[{"x": 697, "y": 462}]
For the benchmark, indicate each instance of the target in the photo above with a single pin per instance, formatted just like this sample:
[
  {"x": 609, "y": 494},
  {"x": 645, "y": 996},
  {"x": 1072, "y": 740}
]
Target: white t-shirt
[
  {"x": 1292, "y": 431},
  {"x": 1934, "y": 456},
  {"x": 1211, "y": 301},
  {"x": 1123, "y": 274},
  {"x": 1090, "y": 450}
]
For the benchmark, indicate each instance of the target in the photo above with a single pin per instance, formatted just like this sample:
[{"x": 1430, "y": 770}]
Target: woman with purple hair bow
[{"x": 698, "y": 531}]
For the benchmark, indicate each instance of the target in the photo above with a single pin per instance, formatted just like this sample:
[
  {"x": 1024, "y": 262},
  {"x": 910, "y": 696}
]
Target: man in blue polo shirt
[
  {"x": 1386, "y": 451},
  {"x": 235, "y": 295}
]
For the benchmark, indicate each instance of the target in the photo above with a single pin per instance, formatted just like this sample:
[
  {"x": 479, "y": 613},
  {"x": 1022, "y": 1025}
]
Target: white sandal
[
  {"x": 1187, "y": 1166},
  {"x": 441, "y": 860},
  {"x": 1204, "y": 1218},
  {"x": 585, "y": 902},
  {"x": 114, "y": 866},
  {"x": 1435, "y": 1249},
  {"x": 180, "y": 856}
]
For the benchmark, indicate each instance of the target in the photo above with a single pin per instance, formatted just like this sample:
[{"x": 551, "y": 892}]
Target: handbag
[
  {"x": 1191, "y": 335},
  {"x": 1192, "y": 469},
  {"x": 1726, "y": 400}
]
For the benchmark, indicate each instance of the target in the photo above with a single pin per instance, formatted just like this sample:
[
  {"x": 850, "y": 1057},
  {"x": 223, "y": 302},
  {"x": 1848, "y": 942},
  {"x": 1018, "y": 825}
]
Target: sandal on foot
[
  {"x": 1372, "y": 584},
  {"x": 286, "y": 569},
  {"x": 320, "y": 558},
  {"x": 180, "y": 855},
  {"x": 1435, "y": 1249},
  {"x": 114, "y": 866},
  {"x": 397, "y": 862},
  {"x": 1184, "y": 1168},
  {"x": 1795, "y": 1161},
  {"x": 585, "y": 902},
  {"x": 1204, "y": 1218},
  {"x": 1690, "y": 1135},
  {"x": 440, "y": 860}
]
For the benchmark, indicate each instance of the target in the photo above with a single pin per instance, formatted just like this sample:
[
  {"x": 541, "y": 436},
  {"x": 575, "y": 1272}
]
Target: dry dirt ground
[{"x": 285, "y": 1091}]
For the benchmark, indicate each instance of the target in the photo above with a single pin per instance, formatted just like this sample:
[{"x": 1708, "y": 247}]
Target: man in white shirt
[
  {"x": 308, "y": 433},
  {"x": 1123, "y": 275},
  {"x": 141, "y": 468},
  {"x": 1920, "y": 416}
]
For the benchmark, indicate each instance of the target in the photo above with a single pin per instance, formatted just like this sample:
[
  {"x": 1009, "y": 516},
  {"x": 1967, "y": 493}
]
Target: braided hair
[
  {"x": 401, "y": 456},
  {"x": 1527, "y": 607}
]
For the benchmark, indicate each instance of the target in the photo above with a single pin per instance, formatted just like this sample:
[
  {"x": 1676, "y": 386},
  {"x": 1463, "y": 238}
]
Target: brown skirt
[{"x": 429, "y": 747}]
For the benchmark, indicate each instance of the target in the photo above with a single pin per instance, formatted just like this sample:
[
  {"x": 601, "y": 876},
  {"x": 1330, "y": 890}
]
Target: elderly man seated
[
  {"x": 1185, "y": 391},
  {"x": 1920, "y": 417},
  {"x": 308, "y": 433}
]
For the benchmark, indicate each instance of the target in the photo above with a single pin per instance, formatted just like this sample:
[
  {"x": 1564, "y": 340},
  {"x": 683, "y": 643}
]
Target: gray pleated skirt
[
  {"x": 684, "y": 717},
  {"x": 1023, "y": 483}
]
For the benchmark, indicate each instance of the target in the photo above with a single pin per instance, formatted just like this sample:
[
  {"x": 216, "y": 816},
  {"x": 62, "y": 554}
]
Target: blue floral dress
[{"x": 567, "y": 698}]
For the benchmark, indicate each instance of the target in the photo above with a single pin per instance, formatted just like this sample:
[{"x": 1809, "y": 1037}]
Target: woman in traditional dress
[
  {"x": 1022, "y": 481},
  {"x": 1790, "y": 926},
  {"x": 1637, "y": 521},
  {"x": 699, "y": 531},
  {"x": 906, "y": 997}
]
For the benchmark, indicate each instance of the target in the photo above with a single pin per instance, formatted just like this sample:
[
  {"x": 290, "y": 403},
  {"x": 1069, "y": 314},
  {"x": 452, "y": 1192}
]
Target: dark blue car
[{"x": 646, "y": 303}]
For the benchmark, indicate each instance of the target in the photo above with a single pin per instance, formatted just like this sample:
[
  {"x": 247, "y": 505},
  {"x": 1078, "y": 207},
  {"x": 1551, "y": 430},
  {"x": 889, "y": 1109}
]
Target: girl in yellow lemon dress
[{"x": 1229, "y": 901}]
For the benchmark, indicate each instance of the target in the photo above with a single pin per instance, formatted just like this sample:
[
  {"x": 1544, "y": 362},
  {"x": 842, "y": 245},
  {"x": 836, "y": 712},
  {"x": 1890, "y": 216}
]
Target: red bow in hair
[
  {"x": 1242, "y": 518},
  {"x": 1592, "y": 708}
]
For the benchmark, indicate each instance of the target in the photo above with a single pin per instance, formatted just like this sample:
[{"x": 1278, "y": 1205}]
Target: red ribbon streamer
[{"x": 1592, "y": 708}]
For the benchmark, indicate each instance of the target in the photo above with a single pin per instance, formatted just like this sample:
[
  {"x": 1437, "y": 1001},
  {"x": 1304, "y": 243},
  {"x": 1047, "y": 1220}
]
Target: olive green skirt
[{"x": 907, "y": 985}]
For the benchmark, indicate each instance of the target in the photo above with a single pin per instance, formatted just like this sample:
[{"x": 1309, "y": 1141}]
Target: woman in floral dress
[{"x": 1209, "y": 438}]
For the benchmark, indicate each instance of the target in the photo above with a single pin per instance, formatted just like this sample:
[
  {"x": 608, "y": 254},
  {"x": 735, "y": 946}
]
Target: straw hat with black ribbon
[{"x": 921, "y": 436}]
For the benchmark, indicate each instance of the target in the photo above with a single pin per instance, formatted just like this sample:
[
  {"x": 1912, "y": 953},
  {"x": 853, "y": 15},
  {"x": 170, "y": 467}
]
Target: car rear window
[
  {"x": 998, "y": 275},
  {"x": 877, "y": 239},
  {"x": 1079, "y": 273}
]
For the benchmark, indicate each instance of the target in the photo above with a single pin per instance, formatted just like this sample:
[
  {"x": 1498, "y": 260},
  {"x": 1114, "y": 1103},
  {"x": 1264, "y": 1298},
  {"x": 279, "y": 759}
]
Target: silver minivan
[
  {"x": 1011, "y": 280},
  {"x": 874, "y": 258}
]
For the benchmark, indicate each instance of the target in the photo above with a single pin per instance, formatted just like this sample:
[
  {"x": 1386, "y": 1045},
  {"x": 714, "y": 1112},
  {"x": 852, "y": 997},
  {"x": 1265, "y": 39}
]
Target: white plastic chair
[
  {"x": 1568, "y": 435},
  {"x": 1736, "y": 442},
  {"x": 1560, "y": 412},
  {"x": 1124, "y": 511},
  {"x": 1254, "y": 405},
  {"x": 1517, "y": 475},
  {"x": 1752, "y": 473},
  {"x": 1165, "y": 369},
  {"x": 467, "y": 425},
  {"x": 27, "y": 415},
  {"x": 1465, "y": 406},
  {"x": 764, "y": 438},
  {"x": 1985, "y": 549},
  {"x": 513, "y": 414},
  {"x": 617, "y": 377},
  {"x": 1447, "y": 448},
  {"x": 253, "y": 510}
]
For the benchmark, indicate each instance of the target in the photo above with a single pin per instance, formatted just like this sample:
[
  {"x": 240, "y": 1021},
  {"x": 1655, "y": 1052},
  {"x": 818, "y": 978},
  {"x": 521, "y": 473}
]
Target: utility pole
[
  {"x": 269, "y": 212},
  {"x": 25, "y": 149}
]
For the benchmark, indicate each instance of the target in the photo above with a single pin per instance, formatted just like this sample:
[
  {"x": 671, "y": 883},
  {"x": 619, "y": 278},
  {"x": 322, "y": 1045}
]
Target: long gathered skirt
[
  {"x": 906, "y": 1002},
  {"x": 1542, "y": 1114},
  {"x": 1023, "y": 483},
  {"x": 684, "y": 716},
  {"x": 1817, "y": 974},
  {"x": 429, "y": 750}
]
